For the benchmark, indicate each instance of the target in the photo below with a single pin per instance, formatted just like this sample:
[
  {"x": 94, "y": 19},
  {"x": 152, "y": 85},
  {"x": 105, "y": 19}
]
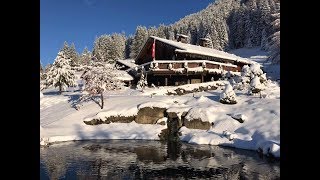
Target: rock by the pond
[
  {"x": 119, "y": 119},
  {"x": 197, "y": 124},
  {"x": 174, "y": 116},
  {"x": 148, "y": 115},
  {"x": 94, "y": 122},
  {"x": 111, "y": 119}
]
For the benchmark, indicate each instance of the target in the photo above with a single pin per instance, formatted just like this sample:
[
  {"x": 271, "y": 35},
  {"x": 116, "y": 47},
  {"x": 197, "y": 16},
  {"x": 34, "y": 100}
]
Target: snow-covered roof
[
  {"x": 206, "y": 39},
  {"x": 193, "y": 49},
  {"x": 182, "y": 35},
  {"x": 124, "y": 76},
  {"x": 128, "y": 62}
]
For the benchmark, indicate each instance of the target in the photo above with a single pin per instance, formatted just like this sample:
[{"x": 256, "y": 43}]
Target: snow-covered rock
[{"x": 239, "y": 117}]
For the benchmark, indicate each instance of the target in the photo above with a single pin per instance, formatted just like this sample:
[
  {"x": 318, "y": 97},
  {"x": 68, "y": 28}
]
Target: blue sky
[{"x": 81, "y": 21}]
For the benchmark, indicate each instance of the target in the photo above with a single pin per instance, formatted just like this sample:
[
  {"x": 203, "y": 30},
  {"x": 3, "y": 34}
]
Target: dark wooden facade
[{"x": 176, "y": 66}]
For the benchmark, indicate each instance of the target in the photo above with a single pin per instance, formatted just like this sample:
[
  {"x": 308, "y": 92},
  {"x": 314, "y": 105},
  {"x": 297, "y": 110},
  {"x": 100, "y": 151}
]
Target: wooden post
[
  {"x": 202, "y": 78},
  {"x": 166, "y": 81}
]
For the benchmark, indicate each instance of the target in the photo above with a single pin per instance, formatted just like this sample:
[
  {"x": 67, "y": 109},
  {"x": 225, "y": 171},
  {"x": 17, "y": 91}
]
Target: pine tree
[
  {"x": 117, "y": 49},
  {"x": 127, "y": 47},
  {"x": 70, "y": 53},
  {"x": 108, "y": 48},
  {"x": 208, "y": 37},
  {"x": 264, "y": 40},
  {"x": 60, "y": 74},
  {"x": 73, "y": 55},
  {"x": 139, "y": 39},
  {"x": 85, "y": 57},
  {"x": 161, "y": 31},
  {"x": 101, "y": 48},
  {"x": 100, "y": 77},
  {"x": 142, "y": 83},
  {"x": 152, "y": 31},
  {"x": 42, "y": 72},
  {"x": 41, "y": 68},
  {"x": 274, "y": 45}
]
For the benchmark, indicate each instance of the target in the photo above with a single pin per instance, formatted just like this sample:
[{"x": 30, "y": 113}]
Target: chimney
[
  {"x": 205, "y": 42},
  {"x": 182, "y": 38}
]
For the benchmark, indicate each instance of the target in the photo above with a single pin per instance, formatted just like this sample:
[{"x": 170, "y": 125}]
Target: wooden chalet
[{"x": 165, "y": 62}]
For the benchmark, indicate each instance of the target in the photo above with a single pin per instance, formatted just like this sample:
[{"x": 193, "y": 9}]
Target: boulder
[
  {"x": 148, "y": 115},
  {"x": 197, "y": 124}
]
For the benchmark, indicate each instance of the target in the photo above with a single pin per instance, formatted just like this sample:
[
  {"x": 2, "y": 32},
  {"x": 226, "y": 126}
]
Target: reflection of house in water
[
  {"x": 168, "y": 62},
  {"x": 148, "y": 160}
]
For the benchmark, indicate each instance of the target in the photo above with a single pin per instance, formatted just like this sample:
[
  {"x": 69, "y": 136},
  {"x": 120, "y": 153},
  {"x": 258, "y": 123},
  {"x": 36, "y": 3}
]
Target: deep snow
[{"x": 59, "y": 121}]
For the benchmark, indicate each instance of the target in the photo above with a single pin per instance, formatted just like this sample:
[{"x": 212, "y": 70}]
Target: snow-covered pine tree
[
  {"x": 73, "y": 55},
  {"x": 99, "y": 78},
  {"x": 152, "y": 31},
  {"x": 108, "y": 48},
  {"x": 139, "y": 39},
  {"x": 117, "y": 50},
  {"x": 142, "y": 83},
  {"x": 255, "y": 85},
  {"x": 264, "y": 40},
  {"x": 41, "y": 68},
  {"x": 70, "y": 53},
  {"x": 85, "y": 57},
  {"x": 274, "y": 45},
  {"x": 42, "y": 72},
  {"x": 60, "y": 74},
  {"x": 210, "y": 44},
  {"x": 161, "y": 31},
  {"x": 100, "y": 47},
  {"x": 170, "y": 33},
  {"x": 47, "y": 67},
  {"x": 127, "y": 47},
  {"x": 228, "y": 96}
]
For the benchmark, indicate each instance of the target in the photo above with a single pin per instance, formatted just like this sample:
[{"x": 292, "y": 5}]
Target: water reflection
[{"x": 137, "y": 159}]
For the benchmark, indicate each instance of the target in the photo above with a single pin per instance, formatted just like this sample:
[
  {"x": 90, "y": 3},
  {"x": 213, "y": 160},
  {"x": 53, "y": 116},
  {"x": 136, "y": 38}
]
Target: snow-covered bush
[
  {"x": 245, "y": 71},
  {"x": 252, "y": 78},
  {"x": 142, "y": 83},
  {"x": 228, "y": 96},
  {"x": 255, "y": 85},
  {"x": 60, "y": 73},
  {"x": 255, "y": 69}
]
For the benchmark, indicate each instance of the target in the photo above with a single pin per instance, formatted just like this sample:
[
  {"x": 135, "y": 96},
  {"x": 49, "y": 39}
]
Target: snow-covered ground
[{"x": 59, "y": 121}]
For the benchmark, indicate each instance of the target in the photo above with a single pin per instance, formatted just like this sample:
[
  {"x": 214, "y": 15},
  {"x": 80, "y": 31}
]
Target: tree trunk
[
  {"x": 102, "y": 102},
  {"x": 60, "y": 89}
]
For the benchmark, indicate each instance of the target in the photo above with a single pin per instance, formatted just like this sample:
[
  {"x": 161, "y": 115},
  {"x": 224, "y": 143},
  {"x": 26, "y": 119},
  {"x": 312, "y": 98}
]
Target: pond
[{"x": 140, "y": 159}]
